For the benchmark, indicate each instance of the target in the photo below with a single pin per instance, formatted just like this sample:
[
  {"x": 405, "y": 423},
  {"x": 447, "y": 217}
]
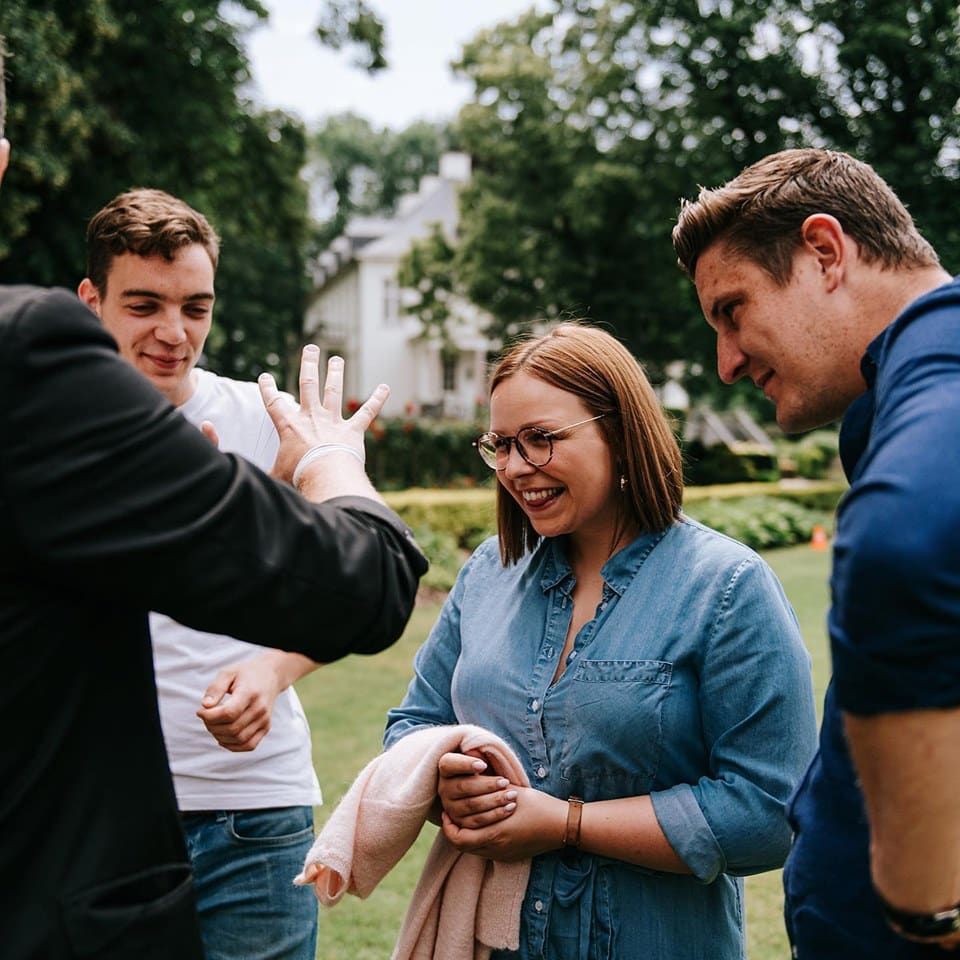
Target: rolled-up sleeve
[{"x": 759, "y": 726}]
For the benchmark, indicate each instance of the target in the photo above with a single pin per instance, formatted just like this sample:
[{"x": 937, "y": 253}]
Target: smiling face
[
  {"x": 159, "y": 312},
  {"x": 576, "y": 493},
  {"x": 793, "y": 341}
]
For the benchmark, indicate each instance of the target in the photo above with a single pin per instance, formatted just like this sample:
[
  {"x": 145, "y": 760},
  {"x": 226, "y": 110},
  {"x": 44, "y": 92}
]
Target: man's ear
[
  {"x": 824, "y": 238},
  {"x": 89, "y": 294}
]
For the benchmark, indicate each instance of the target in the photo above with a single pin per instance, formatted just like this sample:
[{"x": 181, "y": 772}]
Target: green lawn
[{"x": 346, "y": 703}]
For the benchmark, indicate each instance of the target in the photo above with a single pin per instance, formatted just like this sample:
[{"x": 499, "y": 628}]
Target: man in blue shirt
[{"x": 822, "y": 291}]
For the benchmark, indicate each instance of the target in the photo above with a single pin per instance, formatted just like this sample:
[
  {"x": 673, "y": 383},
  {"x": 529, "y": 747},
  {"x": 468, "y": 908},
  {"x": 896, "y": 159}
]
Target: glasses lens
[
  {"x": 487, "y": 448},
  {"x": 535, "y": 445}
]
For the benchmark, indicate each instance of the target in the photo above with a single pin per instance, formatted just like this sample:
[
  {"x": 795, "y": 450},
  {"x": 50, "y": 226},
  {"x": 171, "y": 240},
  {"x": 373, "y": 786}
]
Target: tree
[
  {"x": 356, "y": 169},
  {"x": 354, "y": 23},
  {"x": 428, "y": 273},
  {"x": 590, "y": 121},
  {"x": 105, "y": 95}
]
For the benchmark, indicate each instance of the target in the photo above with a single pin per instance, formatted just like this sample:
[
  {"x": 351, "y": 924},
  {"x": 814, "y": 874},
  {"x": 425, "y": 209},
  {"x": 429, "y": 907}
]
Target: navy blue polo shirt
[{"x": 895, "y": 615}]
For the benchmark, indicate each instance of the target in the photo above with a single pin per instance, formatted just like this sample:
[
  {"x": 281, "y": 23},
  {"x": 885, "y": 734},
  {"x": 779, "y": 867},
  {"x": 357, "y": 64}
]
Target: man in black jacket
[{"x": 114, "y": 505}]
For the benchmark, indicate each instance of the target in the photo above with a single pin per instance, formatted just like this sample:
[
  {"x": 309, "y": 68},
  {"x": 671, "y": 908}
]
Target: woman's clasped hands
[{"x": 485, "y": 814}]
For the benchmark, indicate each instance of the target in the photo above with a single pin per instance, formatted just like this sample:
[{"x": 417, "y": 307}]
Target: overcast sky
[{"x": 294, "y": 72}]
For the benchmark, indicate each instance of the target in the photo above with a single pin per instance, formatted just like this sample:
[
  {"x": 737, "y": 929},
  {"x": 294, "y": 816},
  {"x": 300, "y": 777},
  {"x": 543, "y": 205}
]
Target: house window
[
  {"x": 449, "y": 364},
  {"x": 391, "y": 301}
]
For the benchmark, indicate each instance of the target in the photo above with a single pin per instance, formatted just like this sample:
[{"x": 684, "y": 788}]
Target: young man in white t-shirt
[{"x": 236, "y": 734}]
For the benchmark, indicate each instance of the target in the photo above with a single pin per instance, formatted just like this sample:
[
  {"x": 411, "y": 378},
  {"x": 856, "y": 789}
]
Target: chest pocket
[{"x": 613, "y": 726}]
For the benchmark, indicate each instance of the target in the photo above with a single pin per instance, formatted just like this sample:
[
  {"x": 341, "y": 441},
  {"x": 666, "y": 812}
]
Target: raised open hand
[{"x": 315, "y": 429}]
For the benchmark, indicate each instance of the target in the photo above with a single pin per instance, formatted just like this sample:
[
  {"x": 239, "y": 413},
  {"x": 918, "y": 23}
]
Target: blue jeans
[{"x": 244, "y": 863}]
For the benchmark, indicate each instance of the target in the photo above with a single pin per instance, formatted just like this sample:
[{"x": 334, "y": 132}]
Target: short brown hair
[
  {"x": 758, "y": 214},
  {"x": 594, "y": 366},
  {"x": 145, "y": 222}
]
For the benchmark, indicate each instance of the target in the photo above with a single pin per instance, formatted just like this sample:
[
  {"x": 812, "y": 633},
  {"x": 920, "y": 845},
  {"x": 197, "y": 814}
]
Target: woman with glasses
[{"x": 647, "y": 671}]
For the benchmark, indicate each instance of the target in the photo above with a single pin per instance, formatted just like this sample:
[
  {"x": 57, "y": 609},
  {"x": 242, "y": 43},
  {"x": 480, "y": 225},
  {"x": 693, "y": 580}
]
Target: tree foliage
[
  {"x": 590, "y": 121},
  {"x": 356, "y": 169},
  {"x": 427, "y": 275},
  {"x": 110, "y": 94},
  {"x": 354, "y": 23}
]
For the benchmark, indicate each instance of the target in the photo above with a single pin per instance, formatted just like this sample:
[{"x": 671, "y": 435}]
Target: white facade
[{"x": 356, "y": 312}]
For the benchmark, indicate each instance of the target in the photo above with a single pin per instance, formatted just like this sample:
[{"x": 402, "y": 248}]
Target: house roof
[{"x": 390, "y": 238}]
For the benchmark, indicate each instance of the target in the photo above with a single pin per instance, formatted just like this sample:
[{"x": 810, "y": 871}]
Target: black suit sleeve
[{"x": 109, "y": 492}]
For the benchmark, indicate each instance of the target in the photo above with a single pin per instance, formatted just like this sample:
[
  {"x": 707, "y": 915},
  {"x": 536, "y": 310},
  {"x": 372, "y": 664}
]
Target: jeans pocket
[
  {"x": 146, "y": 914},
  {"x": 274, "y": 827}
]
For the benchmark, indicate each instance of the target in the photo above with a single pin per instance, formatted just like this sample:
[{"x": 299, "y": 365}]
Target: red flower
[{"x": 353, "y": 406}]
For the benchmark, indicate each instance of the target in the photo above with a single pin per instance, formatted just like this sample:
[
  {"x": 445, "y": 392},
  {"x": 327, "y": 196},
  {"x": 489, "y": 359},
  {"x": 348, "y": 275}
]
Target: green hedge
[
  {"x": 404, "y": 452},
  {"x": 413, "y": 452},
  {"x": 450, "y": 523},
  {"x": 760, "y": 522},
  {"x": 718, "y": 464}
]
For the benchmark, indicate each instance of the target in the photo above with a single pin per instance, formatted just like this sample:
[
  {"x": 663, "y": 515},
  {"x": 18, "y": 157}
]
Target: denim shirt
[{"x": 690, "y": 684}]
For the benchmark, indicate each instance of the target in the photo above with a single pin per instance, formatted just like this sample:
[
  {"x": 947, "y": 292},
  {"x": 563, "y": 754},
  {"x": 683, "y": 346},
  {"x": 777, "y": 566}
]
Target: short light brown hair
[
  {"x": 758, "y": 214},
  {"x": 145, "y": 222},
  {"x": 594, "y": 366}
]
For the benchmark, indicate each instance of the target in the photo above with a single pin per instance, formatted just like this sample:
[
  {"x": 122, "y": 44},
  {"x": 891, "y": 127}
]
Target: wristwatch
[{"x": 923, "y": 926}]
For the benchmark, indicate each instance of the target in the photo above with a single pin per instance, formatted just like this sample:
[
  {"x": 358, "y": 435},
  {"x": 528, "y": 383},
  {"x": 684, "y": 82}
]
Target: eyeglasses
[{"x": 534, "y": 444}]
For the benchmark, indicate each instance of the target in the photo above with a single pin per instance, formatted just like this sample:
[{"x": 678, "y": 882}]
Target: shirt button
[
  {"x": 541, "y": 772},
  {"x": 573, "y": 654},
  {"x": 538, "y": 906},
  {"x": 535, "y": 706}
]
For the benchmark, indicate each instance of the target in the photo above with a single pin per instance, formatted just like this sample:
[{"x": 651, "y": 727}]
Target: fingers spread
[
  {"x": 369, "y": 410},
  {"x": 332, "y": 387},
  {"x": 310, "y": 377}
]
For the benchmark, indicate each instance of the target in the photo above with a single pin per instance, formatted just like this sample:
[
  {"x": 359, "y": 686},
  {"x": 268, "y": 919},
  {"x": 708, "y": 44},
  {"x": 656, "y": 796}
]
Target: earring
[{"x": 623, "y": 483}]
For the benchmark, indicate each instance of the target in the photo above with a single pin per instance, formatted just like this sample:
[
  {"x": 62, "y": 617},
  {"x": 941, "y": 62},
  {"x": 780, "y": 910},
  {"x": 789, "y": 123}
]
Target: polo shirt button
[
  {"x": 541, "y": 772},
  {"x": 535, "y": 706},
  {"x": 538, "y": 906}
]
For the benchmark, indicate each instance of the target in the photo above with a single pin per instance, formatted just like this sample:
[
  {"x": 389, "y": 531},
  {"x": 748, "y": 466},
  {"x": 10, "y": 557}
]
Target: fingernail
[
  {"x": 509, "y": 807},
  {"x": 501, "y": 783},
  {"x": 511, "y": 794},
  {"x": 311, "y": 348},
  {"x": 479, "y": 766}
]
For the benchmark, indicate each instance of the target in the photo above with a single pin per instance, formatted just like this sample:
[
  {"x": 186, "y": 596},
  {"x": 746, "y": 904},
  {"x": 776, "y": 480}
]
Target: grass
[{"x": 346, "y": 703}]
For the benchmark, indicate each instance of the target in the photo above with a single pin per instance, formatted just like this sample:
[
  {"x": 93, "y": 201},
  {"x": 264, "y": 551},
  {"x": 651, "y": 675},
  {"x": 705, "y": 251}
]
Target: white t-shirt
[{"x": 279, "y": 772}]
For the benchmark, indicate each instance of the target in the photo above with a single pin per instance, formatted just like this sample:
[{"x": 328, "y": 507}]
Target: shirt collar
[{"x": 617, "y": 572}]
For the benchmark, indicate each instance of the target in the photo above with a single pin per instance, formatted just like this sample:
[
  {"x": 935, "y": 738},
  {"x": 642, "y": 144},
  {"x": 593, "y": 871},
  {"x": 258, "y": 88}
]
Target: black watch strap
[{"x": 924, "y": 926}]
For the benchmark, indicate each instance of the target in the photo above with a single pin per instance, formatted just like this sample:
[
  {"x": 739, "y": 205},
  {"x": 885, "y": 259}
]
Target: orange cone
[{"x": 818, "y": 539}]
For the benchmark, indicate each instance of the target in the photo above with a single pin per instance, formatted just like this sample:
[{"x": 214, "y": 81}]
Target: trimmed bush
[
  {"x": 812, "y": 456},
  {"x": 407, "y": 452},
  {"x": 760, "y": 522},
  {"x": 449, "y": 524},
  {"x": 468, "y": 516},
  {"x": 719, "y": 464}
]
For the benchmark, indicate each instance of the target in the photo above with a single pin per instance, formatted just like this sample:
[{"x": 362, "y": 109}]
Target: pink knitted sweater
[{"x": 464, "y": 905}]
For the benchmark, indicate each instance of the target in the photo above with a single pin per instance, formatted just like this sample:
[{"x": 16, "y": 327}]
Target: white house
[{"x": 355, "y": 310}]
